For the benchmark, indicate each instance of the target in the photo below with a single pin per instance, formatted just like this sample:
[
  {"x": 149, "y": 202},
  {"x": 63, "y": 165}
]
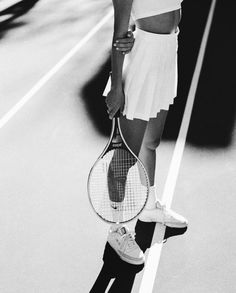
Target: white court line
[
  {"x": 154, "y": 254},
  {"x": 4, "y": 4},
  {"x": 53, "y": 71}
]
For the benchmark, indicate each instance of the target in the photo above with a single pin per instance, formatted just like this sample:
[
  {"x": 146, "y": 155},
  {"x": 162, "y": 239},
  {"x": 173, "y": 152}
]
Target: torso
[{"x": 165, "y": 23}]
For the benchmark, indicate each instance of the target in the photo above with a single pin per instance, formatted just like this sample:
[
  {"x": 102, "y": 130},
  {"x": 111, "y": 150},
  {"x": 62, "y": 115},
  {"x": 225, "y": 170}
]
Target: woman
[{"x": 142, "y": 87}]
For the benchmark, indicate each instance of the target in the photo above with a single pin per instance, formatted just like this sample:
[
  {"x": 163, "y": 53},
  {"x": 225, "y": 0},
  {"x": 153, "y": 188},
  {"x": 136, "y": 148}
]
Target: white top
[{"x": 146, "y": 8}]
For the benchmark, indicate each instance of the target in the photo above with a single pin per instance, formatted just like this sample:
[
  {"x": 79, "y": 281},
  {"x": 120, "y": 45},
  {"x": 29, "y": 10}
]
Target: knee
[{"x": 152, "y": 145}]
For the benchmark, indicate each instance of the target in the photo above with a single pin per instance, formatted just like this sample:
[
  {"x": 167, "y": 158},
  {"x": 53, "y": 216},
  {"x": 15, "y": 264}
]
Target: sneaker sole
[
  {"x": 124, "y": 258},
  {"x": 130, "y": 261},
  {"x": 168, "y": 224}
]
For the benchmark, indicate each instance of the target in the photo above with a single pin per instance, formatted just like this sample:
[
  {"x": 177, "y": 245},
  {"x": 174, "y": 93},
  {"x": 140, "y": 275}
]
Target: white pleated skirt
[{"x": 150, "y": 75}]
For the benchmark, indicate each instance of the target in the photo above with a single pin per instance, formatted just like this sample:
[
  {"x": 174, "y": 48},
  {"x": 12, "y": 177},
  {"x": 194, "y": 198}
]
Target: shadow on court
[
  {"x": 212, "y": 120},
  {"x": 213, "y": 114},
  {"x": 94, "y": 101},
  {"x": 8, "y": 15},
  {"x": 122, "y": 272}
]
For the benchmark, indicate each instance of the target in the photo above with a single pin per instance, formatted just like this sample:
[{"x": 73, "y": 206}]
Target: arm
[
  {"x": 126, "y": 44},
  {"x": 122, "y": 9},
  {"x": 115, "y": 99}
]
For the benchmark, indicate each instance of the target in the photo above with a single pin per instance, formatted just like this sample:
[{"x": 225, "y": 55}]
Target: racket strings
[
  {"x": 119, "y": 167},
  {"x": 115, "y": 188},
  {"x": 121, "y": 163}
]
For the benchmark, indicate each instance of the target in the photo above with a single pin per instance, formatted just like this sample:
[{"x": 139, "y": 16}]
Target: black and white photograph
[{"x": 117, "y": 146}]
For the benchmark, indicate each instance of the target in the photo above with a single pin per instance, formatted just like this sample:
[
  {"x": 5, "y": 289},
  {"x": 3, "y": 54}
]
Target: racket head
[{"x": 115, "y": 191}]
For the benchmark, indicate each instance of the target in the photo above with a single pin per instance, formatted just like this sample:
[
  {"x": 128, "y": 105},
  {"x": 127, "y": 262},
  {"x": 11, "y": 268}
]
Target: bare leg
[
  {"x": 154, "y": 210},
  {"x": 147, "y": 153},
  {"x": 150, "y": 143},
  {"x": 133, "y": 132}
]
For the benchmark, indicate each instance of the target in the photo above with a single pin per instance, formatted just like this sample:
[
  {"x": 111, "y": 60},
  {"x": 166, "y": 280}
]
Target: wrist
[
  {"x": 116, "y": 82},
  {"x": 116, "y": 87}
]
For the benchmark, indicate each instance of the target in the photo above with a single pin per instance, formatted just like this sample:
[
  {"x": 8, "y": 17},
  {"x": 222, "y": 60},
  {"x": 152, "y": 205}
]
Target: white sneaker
[
  {"x": 161, "y": 214},
  {"x": 123, "y": 242}
]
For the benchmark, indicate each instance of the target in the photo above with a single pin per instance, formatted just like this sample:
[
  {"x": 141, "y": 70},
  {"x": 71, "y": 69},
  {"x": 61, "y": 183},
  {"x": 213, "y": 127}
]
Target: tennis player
[{"x": 142, "y": 86}]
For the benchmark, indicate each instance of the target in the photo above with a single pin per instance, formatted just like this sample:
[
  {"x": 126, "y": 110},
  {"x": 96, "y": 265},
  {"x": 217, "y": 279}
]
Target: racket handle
[{"x": 117, "y": 115}]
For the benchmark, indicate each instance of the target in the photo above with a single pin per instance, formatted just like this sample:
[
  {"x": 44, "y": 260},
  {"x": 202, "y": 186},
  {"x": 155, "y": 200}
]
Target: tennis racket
[{"x": 114, "y": 183}]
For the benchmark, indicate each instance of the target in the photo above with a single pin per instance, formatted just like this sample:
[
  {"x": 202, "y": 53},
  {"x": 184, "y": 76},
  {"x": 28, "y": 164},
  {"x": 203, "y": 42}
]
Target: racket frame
[{"x": 121, "y": 144}]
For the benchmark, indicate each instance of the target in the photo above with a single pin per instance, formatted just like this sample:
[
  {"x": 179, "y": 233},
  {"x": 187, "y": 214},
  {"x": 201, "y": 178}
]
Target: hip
[{"x": 165, "y": 23}]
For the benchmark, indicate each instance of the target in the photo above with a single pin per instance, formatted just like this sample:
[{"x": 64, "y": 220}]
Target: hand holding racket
[
  {"x": 115, "y": 101},
  {"x": 114, "y": 183}
]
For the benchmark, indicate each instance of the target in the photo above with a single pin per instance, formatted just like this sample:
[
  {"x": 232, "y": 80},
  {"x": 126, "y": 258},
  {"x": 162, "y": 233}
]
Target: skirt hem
[
  {"x": 148, "y": 116},
  {"x": 150, "y": 75}
]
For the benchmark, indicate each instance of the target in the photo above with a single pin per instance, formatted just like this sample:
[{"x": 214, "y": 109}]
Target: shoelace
[
  {"x": 129, "y": 241},
  {"x": 161, "y": 206}
]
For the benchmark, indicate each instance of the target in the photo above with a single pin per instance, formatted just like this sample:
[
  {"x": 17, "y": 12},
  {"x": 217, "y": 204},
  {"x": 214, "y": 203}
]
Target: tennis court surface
[{"x": 54, "y": 58}]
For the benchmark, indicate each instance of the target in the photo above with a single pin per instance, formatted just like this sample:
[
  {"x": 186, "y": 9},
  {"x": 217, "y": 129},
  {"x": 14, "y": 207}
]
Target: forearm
[
  {"x": 117, "y": 60},
  {"x": 122, "y": 9}
]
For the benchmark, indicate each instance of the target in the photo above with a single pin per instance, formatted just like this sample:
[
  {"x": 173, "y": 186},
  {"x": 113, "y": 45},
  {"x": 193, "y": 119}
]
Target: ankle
[{"x": 152, "y": 198}]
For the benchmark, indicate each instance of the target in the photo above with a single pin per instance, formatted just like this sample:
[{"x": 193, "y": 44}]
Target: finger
[
  {"x": 110, "y": 116},
  {"x": 107, "y": 104},
  {"x": 124, "y": 41},
  {"x": 124, "y": 49},
  {"x": 113, "y": 112},
  {"x": 126, "y": 52},
  {"x": 109, "y": 109},
  {"x": 129, "y": 33},
  {"x": 124, "y": 45}
]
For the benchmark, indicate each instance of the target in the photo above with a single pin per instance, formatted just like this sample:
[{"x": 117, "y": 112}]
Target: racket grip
[{"x": 117, "y": 115}]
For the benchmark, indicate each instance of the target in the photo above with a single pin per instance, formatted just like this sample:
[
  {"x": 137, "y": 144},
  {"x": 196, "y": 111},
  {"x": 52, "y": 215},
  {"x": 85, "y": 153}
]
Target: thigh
[
  {"x": 155, "y": 129},
  {"x": 133, "y": 132}
]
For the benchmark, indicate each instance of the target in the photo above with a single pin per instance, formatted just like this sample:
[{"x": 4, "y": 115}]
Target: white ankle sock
[{"x": 152, "y": 198}]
